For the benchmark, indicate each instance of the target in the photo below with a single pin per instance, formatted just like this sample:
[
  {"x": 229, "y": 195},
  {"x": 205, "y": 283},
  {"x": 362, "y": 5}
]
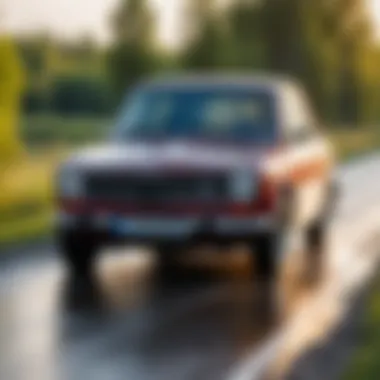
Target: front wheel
[
  {"x": 167, "y": 260},
  {"x": 265, "y": 263},
  {"x": 79, "y": 253},
  {"x": 316, "y": 239},
  {"x": 316, "y": 248}
]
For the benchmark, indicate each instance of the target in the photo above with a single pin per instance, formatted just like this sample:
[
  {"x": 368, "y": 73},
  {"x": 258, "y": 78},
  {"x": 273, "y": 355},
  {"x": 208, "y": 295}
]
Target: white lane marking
[{"x": 256, "y": 363}]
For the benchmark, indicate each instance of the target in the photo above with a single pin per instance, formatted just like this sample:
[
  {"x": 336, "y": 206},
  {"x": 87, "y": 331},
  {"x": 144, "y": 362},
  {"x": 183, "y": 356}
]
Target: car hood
[{"x": 166, "y": 156}]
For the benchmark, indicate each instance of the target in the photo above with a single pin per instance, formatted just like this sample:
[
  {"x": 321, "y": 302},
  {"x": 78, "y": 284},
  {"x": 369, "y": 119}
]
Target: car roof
[{"x": 268, "y": 82}]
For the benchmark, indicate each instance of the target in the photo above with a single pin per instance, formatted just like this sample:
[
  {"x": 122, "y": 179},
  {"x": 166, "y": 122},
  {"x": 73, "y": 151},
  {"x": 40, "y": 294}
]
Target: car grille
[{"x": 137, "y": 188}]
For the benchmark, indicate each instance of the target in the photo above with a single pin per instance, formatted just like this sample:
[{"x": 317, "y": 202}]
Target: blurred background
[{"x": 64, "y": 67}]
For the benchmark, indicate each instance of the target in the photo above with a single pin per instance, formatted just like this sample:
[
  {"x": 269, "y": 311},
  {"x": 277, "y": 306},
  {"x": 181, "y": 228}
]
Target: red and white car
[{"x": 196, "y": 159}]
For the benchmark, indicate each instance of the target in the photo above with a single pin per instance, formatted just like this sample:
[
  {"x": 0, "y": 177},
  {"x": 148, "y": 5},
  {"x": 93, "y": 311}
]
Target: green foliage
[
  {"x": 326, "y": 44},
  {"x": 365, "y": 363},
  {"x": 26, "y": 195},
  {"x": 80, "y": 95},
  {"x": 204, "y": 50},
  {"x": 48, "y": 130},
  {"x": 127, "y": 64},
  {"x": 50, "y": 63},
  {"x": 245, "y": 47},
  {"x": 131, "y": 56},
  {"x": 11, "y": 87}
]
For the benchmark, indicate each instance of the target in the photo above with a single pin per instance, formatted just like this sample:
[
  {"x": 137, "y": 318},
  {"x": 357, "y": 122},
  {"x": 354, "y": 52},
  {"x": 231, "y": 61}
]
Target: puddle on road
[{"x": 212, "y": 305}]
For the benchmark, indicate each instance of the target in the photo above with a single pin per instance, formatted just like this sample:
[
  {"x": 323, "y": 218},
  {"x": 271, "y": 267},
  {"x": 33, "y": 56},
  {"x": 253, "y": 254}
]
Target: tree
[
  {"x": 38, "y": 54},
  {"x": 204, "y": 47},
  {"x": 132, "y": 54},
  {"x": 353, "y": 32},
  {"x": 11, "y": 87},
  {"x": 80, "y": 95},
  {"x": 322, "y": 43},
  {"x": 327, "y": 44},
  {"x": 245, "y": 47}
]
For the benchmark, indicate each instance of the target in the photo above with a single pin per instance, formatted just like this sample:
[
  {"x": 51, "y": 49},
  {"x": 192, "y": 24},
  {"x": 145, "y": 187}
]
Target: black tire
[
  {"x": 167, "y": 261},
  {"x": 316, "y": 249},
  {"x": 265, "y": 263},
  {"x": 79, "y": 253},
  {"x": 266, "y": 272},
  {"x": 316, "y": 238},
  {"x": 268, "y": 248}
]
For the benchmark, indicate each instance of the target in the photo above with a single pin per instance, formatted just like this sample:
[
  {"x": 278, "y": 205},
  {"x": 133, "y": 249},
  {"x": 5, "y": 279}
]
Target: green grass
[
  {"x": 351, "y": 142},
  {"x": 26, "y": 206},
  {"x": 26, "y": 228},
  {"x": 52, "y": 130},
  {"x": 26, "y": 203},
  {"x": 365, "y": 363}
]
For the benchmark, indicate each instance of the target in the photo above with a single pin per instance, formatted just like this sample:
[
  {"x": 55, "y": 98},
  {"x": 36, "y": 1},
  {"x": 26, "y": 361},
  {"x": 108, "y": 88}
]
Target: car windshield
[{"x": 231, "y": 114}]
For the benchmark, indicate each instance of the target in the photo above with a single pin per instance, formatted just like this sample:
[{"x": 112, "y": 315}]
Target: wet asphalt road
[{"x": 130, "y": 323}]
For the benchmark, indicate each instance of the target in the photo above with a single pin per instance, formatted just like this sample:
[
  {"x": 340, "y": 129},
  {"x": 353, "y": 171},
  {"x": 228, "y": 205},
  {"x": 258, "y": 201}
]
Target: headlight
[
  {"x": 70, "y": 184},
  {"x": 243, "y": 186}
]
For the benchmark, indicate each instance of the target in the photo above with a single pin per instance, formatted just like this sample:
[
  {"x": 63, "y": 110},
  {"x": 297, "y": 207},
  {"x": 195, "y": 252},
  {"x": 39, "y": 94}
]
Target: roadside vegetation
[
  {"x": 353, "y": 142},
  {"x": 365, "y": 363},
  {"x": 26, "y": 204},
  {"x": 52, "y": 131}
]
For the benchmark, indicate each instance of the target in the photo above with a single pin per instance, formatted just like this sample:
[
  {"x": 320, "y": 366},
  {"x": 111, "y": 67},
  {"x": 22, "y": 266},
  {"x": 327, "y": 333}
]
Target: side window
[{"x": 300, "y": 123}]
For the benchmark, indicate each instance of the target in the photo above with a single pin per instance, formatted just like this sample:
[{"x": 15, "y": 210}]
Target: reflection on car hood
[{"x": 162, "y": 156}]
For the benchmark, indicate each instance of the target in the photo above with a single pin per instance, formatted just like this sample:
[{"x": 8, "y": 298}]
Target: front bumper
[{"x": 152, "y": 229}]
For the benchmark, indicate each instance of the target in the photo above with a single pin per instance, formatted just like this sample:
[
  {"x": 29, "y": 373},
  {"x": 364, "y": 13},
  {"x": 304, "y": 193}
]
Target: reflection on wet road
[
  {"x": 128, "y": 325},
  {"x": 202, "y": 324}
]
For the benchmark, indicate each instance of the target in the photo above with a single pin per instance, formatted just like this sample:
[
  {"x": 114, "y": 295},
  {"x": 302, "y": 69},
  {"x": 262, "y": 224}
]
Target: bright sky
[{"x": 70, "y": 18}]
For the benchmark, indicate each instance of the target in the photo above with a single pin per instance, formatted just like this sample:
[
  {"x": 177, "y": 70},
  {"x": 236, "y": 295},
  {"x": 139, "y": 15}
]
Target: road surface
[{"x": 209, "y": 322}]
